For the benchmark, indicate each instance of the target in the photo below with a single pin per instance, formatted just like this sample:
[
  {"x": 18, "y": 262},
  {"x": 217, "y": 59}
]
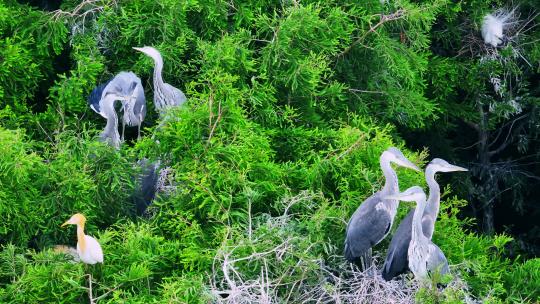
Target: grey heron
[
  {"x": 424, "y": 256},
  {"x": 396, "y": 261},
  {"x": 106, "y": 109},
  {"x": 165, "y": 95},
  {"x": 134, "y": 108},
  {"x": 371, "y": 222}
]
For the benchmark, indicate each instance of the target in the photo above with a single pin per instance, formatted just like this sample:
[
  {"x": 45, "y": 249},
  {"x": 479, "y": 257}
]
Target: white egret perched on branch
[
  {"x": 88, "y": 248},
  {"x": 424, "y": 256},
  {"x": 397, "y": 261},
  {"x": 373, "y": 219}
]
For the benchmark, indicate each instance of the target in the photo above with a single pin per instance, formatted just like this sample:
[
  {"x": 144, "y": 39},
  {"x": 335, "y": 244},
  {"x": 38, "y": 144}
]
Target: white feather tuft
[{"x": 494, "y": 25}]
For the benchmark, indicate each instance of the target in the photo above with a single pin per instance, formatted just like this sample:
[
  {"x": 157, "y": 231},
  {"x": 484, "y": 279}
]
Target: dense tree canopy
[{"x": 290, "y": 104}]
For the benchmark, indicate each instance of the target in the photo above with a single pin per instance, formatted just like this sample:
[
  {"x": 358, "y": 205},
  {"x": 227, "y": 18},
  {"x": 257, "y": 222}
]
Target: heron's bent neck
[
  {"x": 434, "y": 201},
  {"x": 111, "y": 129},
  {"x": 80, "y": 237},
  {"x": 417, "y": 219}
]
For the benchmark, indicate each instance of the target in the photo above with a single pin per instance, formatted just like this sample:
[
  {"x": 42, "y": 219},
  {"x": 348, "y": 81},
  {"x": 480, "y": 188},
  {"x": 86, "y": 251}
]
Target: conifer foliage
[{"x": 290, "y": 104}]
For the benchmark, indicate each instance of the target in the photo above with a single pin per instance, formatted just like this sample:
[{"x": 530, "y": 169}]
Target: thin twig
[{"x": 383, "y": 19}]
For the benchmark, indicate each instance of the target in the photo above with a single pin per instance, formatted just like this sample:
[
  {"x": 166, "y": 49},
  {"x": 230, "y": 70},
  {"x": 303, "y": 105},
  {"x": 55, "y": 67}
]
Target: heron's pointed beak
[
  {"x": 400, "y": 197},
  {"x": 65, "y": 224},
  {"x": 457, "y": 168},
  {"x": 408, "y": 164},
  {"x": 138, "y": 49}
]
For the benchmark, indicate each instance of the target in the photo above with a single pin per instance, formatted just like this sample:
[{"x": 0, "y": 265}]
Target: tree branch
[
  {"x": 510, "y": 135},
  {"x": 509, "y": 123},
  {"x": 384, "y": 18}
]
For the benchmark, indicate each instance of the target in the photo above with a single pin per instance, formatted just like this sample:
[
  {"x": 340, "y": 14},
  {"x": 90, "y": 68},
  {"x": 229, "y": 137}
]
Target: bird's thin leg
[
  {"x": 139, "y": 127},
  {"x": 366, "y": 260},
  {"x": 123, "y": 126}
]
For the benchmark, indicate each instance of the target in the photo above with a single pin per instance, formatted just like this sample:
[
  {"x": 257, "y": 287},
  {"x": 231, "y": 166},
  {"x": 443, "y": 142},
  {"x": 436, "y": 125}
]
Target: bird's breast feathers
[{"x": 92, "y": 252}]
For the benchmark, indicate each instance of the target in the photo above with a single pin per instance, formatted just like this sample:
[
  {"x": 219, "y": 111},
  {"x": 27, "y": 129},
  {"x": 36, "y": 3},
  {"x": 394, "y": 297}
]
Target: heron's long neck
[
  {"x": 111, "y": 129},
  {"x": 434, "y": 201},
  {"x": 80, "y": 237},
  {"x": 158, "y": 69},
  {"x": 417, "y": 219},
  {"x": 391, "y": 185}
]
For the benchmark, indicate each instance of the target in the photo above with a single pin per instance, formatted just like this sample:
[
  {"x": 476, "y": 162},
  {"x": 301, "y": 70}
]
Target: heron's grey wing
[
  {"x": 366, "y": 228},
  {"x": 95, "y": 97},
  {"x": 436, "y": 261},
  {"x": 176, "y": 95},
  {"x": 139, "y": 110},
  {"x": 146, "y": 185},
  {"x": 397, "y": 260}
]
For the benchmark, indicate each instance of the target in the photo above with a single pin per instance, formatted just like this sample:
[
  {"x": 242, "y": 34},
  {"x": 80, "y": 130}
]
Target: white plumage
[
  {"x": 88, "y": 248},
  {"x": 93, "y": 253},
  {"x": 492, "y": 29}
]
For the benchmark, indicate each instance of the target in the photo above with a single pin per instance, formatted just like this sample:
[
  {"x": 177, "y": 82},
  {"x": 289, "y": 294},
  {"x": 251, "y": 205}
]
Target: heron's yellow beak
[
  {"x": 138, "y": 49},
  {"x": 65, "y": 224}
]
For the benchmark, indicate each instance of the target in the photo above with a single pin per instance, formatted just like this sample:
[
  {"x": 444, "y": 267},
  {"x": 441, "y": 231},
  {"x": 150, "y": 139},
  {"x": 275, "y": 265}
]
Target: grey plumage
[
  {"x": 135, "y": 107},
  {"x": 424, "y": 256},
  {"x": 373, "y": 219},
  {"x": 96, "y": 95},
  {"x": 129, "y": 87},
  {"x": 146, "y": 185},
  {"x": 165, "y": 95},
  {"x": 397, "y": 261},
  {"x": 106, "y": 104}
]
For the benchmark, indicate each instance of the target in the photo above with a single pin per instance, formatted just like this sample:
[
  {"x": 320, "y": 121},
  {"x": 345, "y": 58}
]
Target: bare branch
[
  {"x": 83, "y": 9},
  {"x": 509, "y": 135}
]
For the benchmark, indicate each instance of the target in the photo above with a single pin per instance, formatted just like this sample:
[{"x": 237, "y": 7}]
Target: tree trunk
[
  {"x": 488, "y": 222},
  {"x": 487, "y": 188}
]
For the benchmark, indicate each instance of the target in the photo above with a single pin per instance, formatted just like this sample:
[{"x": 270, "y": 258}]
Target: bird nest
[{"x": 514, "y": 28}]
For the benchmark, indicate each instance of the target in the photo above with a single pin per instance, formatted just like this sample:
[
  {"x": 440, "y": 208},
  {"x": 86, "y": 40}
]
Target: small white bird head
[
  {"x": 395, "y": 156},
  {"x": 76, "y": 219},
  {"x": 440, "y": 165},
  {"x": 150, "y": 51},
  {"x": 414, "y": 193}
]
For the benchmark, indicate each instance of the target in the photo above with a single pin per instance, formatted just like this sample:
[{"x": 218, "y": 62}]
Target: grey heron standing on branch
[
  {"x": 397, "y": 261},
  {"x": 424, "y": 256},
  {"x": 134, "y": 107},
  {"x": 165, "y": 95},
  {"x": 373, "y": 219}
]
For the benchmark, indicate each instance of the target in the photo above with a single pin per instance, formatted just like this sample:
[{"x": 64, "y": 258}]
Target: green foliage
[
  {"x": 480, "y": 258},
  {"x": 48, "y": 277},
  {"x": 289, "y": 107},
  {"x": 75, "y": 175},
  {"x": 29, "y": 42},
  {"x": 522, "y": 282}
]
